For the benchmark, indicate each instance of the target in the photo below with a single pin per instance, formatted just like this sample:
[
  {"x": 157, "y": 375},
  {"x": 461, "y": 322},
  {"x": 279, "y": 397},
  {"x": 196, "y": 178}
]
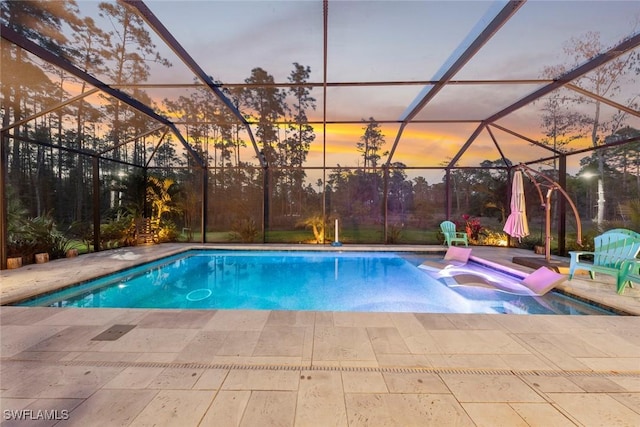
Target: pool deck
[{"x": 229, "y": 367}]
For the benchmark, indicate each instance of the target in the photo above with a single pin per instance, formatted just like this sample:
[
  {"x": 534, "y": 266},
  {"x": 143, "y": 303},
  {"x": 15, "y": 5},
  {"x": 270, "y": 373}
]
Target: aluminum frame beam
[
  {"x": 91, "y": 154},
  {"x": 50, "y": 109},
  {"x": 495, "y": 142},
  {"x": 130, "y": 140},
  {"x": 26, "y": 44},
  {"x": 333, "y": 122},
  {"x": 571, "y": 75},
  {"x": 478, "y": 37},
  {"x": 177, "y": 48},
  {"x": 4, "y": 226},
  {"x": 529, "y": 140},
  {"x": 340, "y": 84},
  {"x": 153, "y": 153},
  {"x": 603, "y": 100}
]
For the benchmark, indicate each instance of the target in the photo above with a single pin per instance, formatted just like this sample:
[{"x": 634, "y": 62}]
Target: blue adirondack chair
[
  {"x": 613, "y": 251},
  {"x": 630, "y": 273},
  {"x": 451, "y": 235}
]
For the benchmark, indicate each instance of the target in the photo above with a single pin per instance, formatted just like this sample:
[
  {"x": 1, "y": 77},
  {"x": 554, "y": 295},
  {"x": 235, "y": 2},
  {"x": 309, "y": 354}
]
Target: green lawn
[
  {"x": 362, "y": 235},
  {"x": 357, "y": 235}
]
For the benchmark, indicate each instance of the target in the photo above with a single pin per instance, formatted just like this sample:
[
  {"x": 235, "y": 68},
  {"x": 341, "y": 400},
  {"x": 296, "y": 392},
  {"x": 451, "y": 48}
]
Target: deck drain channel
[
  {"x": 398, "y": 370},
  {"x": 113, "y": 333}
]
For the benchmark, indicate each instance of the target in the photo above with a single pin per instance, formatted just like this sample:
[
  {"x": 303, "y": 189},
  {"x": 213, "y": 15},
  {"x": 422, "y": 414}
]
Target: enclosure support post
[
  {"x": 385, "y": 199},
  {"x": 562, "y": 206},
  {"x": 447, "y": 193},
  {"x": 547, "y": 225},
  {"x": 145, "y": 205},
  {"x": 3, "y": 202},
  {"x": 265, "y": 203},
  {"x": 96, "y": 204},
  {"x": 205, "y": 203}
]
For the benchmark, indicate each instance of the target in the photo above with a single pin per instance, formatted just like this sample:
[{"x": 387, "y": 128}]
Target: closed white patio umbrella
[{"x": 517, "y": 225}]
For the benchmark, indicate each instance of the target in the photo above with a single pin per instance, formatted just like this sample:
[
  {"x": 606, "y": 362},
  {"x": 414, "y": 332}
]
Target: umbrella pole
[{"x": 547, "y": 226}]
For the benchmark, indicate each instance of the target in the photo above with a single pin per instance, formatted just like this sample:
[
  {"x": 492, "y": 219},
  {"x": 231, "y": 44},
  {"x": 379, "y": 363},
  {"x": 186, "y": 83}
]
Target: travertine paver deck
[{"x": 313, "y": 368}]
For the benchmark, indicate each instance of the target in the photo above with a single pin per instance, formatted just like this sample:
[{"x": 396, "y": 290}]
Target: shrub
[
  {"x": 587, "y": 241},
  {"x": 82, "y": 231},
  {"x": 244, "y": 229},
  {"x": 167, "y": 231},
  {"x": 471, "y": 226},
  {"x": 30, "y": 236},
  {"x": 493, "y": 238},
  {"x": 530, "y": 241},
  {"x": 118, "y": 232},
  {"x": 60, "y": 244},
  {"x": 394, "y": 234},
  {"x": 19, "y": 246}
]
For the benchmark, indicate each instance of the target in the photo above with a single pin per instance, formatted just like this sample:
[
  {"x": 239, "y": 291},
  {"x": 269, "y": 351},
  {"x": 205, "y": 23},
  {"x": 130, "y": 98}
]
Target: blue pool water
[{"x": 298, "y": 280}]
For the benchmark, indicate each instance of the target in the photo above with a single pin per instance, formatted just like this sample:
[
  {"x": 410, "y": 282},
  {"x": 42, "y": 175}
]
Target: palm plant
[
  {"x": 317, "y": 224},
  {"x": 161, "y": 200},
  {"x": 159, "y": 197}
]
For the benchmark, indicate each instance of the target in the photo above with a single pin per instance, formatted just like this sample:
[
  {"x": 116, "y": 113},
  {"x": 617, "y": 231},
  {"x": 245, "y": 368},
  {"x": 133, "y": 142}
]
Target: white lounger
[
  {"x": 537, "y": 283},
  {"x": 453, "y": 265},
  {"x": 455, "y": 256},
  {"x": 543, "y": 280}
]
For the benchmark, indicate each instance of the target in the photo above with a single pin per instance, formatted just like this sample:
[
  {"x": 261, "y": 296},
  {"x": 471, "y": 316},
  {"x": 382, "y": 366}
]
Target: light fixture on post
[
  {"x": 600, "y": 202},
  {"x": 600, "y": 205}
]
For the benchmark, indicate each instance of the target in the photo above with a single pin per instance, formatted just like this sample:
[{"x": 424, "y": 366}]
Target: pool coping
[
  {"x": 169, "y": 259},
  {"x": 38, "y": 278}
]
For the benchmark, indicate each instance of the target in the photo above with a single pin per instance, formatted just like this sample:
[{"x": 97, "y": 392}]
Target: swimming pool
[{"x": 298, "y": 280}]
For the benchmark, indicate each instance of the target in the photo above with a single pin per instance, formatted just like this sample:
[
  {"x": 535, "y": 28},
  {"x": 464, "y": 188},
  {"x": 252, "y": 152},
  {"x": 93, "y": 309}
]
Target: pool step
[{"x": 537, "y": 262}]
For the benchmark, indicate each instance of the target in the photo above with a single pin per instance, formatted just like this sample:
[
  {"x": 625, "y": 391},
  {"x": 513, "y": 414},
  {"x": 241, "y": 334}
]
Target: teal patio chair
[
  {"x": 613, "y": 252},
  {"x": 451, "y": 235}
]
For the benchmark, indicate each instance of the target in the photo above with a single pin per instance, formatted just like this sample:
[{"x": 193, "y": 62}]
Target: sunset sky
[{"x": 382, "y": 41}]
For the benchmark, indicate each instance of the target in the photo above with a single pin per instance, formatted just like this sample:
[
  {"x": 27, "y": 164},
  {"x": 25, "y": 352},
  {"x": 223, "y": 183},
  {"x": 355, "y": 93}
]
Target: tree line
[{"x": 48, "y": 172}]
